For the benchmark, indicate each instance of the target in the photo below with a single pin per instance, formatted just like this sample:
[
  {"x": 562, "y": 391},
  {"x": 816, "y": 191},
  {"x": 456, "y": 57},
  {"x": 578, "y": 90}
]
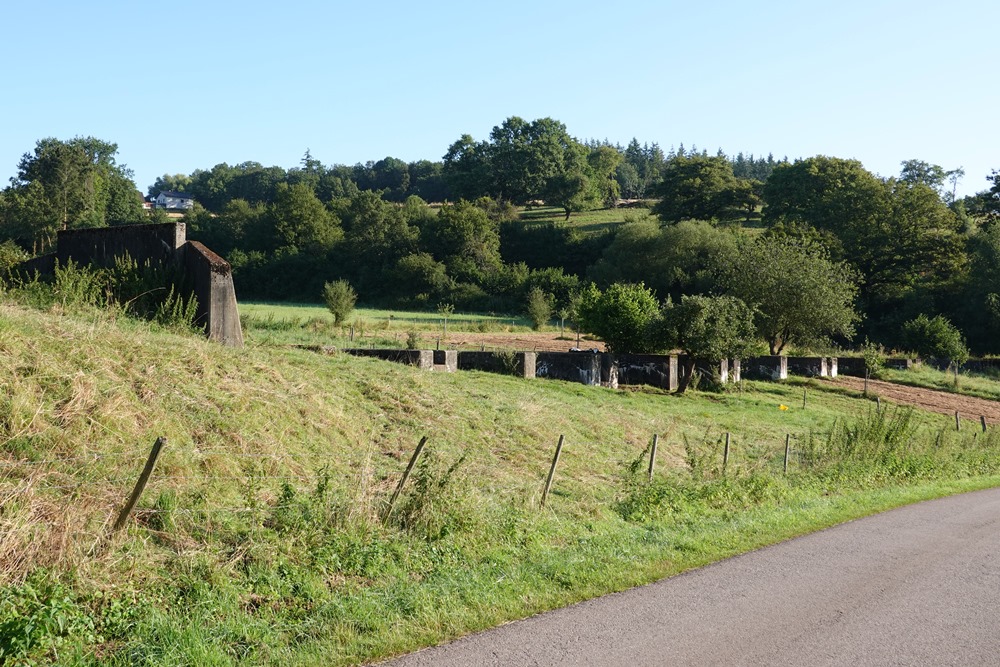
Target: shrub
[
  {"x": 539, "y": 308},
  {"x": 874, "y": 356},
  {"x": 619, "y": 316},
  {"x": 937, "y": 338},
  {"x": 340, "y": 298}
]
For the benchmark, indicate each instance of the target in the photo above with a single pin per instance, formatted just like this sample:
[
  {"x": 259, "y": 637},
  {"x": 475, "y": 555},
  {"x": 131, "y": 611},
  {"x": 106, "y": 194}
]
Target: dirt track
[{"x": 926, "y": 399}]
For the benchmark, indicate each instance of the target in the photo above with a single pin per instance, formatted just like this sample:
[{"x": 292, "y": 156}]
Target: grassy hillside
[{"x": 262, "y": 537}]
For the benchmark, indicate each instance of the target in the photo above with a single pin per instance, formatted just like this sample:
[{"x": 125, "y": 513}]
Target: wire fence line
[{"x": 46, "y": 475}]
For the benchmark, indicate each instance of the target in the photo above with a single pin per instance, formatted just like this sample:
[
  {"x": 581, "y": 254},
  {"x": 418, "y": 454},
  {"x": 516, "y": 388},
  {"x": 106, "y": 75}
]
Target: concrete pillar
[
  {"x": 724, "y": 371},
  {"x": 425, "y": 359},
  {"x": 212, "y": 283},
  {"x": 823, "y": 369},
  {"x": 528, "y": 361},
  {"x": 833, "y": 367},
  {"x": 735, "y": 370},
  {"x": 783, "y": 368},
  {"x": 673, "y": 380}
]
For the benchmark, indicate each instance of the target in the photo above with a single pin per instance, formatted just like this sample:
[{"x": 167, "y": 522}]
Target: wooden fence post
[
  {"x": 788, "y": 438},
  {"x": 725, "y": 454},
  {"x": 406, "y": 476},
  {"x": 652, "y": 457},
  {"x": 803, "y": 399},
  {"x": 958, "y": 423},
  {"x": 982, "y": 420},
  {"x": 140, "y": 484},
  {"x": 552, "y": 471}
]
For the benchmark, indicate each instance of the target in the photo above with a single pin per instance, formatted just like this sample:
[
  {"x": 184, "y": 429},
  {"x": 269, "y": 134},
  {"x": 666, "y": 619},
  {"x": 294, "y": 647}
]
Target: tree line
[{"x": 818, "y": 249}]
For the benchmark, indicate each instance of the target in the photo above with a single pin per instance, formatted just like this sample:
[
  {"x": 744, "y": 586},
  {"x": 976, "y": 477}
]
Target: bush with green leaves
[
  {"x": 340, "y": 298},
  {"x": 619, "y": 316},
  {"x": 539, "y": 308},
  {"x": 935, "y": 338}
]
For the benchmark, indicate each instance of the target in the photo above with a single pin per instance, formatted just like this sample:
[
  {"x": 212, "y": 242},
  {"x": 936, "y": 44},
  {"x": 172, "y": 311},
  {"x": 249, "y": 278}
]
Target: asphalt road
[{"x": 919, "y": 585}]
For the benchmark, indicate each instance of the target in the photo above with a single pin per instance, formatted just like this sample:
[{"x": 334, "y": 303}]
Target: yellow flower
[{"x": 782, "y": 407}]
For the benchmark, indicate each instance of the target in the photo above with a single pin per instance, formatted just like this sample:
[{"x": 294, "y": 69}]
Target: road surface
[{"x": 919, "y": 585}]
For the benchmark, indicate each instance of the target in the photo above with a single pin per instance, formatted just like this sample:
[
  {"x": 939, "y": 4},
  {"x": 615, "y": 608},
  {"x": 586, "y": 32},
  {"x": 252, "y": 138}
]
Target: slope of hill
[{"x": 265, "y": 535}]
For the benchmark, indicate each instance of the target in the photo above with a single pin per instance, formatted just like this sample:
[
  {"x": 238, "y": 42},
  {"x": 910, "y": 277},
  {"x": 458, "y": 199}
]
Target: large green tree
[
  {"x": 705, "y": 328},
  {"x": 671, "y": 260},
  {"x": 798, "y": 294},
  {"x": 465, "y": 239},
  {"x": 699, "y": 188},
  {"x": 900, "y": 236},
  {"x": 527, "y": 161},
  {"x": 302, "y": 222},
  {"x": 65, "y": 185}
]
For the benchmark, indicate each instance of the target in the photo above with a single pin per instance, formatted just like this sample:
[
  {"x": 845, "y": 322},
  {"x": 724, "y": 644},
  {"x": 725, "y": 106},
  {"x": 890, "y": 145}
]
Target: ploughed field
[{"x": 968, "y": 407}]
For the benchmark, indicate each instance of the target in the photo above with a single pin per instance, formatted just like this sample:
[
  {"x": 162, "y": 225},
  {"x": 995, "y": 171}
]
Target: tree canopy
[
  {"x": 68, "y": 185},
  {"x": 798, "y": 294},
  {"x": 705, "y": 328},
  {"x": 700, "y": 188}
]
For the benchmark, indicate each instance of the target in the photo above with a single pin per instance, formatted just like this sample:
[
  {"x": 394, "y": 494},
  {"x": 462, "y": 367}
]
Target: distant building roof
[{"x": 176, "y": 195}]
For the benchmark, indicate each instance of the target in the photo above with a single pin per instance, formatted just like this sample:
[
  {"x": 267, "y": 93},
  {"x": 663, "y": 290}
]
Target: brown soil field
[
  {"x": 522, "y": 342},
  {"x": 942, "y": 402}
]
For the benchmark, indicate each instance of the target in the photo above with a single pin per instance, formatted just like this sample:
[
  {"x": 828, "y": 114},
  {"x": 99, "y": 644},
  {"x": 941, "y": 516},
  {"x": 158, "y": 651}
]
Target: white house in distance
[{"x": 174, "y": 201}]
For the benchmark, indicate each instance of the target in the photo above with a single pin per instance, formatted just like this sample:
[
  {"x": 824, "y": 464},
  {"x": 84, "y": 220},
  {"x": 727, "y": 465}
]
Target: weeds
[
  {"x": 433, "y": 507},
  {"x": 150, "y": 292},
  {"x": 507, "y": 361}
]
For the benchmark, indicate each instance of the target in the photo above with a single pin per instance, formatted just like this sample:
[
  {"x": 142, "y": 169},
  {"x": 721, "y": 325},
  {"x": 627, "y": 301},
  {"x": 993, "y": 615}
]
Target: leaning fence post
[
  {"x": 788, "y": 438},
  {"x": 140, "y": 484},
  {"x": 982, "y": 420},
  {"x": 552, "y": 470},
  {"x": 652, "y": 456},
  {"x": 406, "y": 476},
  {"x": 725, "y": 454},
  {"x": 958, "y": 423},
  {"x": 803, "y": 399}
]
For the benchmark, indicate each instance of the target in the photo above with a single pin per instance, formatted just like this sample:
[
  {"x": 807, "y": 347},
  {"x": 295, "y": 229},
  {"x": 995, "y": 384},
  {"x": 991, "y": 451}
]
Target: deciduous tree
[
  {"x": 798, "y": 294},
  {"x": 705, "y": 328},
  {"x": 699, "y": 188}
]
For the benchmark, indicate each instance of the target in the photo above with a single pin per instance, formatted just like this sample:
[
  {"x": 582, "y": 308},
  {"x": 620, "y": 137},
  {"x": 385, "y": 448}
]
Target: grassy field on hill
[
  {"x": 312, "y": 324},
  {"x": 598, "y": 220},
  {"x": 264, "y": 537}
]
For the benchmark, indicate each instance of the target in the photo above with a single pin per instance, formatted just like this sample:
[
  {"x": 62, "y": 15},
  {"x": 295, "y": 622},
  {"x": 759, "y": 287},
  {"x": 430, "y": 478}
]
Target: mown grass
[
  {"x": 263, "y": 536},
  {"x": 311, "y": 324},
  {"x": 597, "y": 220}
]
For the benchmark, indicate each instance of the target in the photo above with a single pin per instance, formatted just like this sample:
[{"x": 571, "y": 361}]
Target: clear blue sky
[{"x": 188, "y": 85}]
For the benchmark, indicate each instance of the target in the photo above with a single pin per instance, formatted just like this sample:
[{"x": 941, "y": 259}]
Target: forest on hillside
[{"x": 811, "y": 235}]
